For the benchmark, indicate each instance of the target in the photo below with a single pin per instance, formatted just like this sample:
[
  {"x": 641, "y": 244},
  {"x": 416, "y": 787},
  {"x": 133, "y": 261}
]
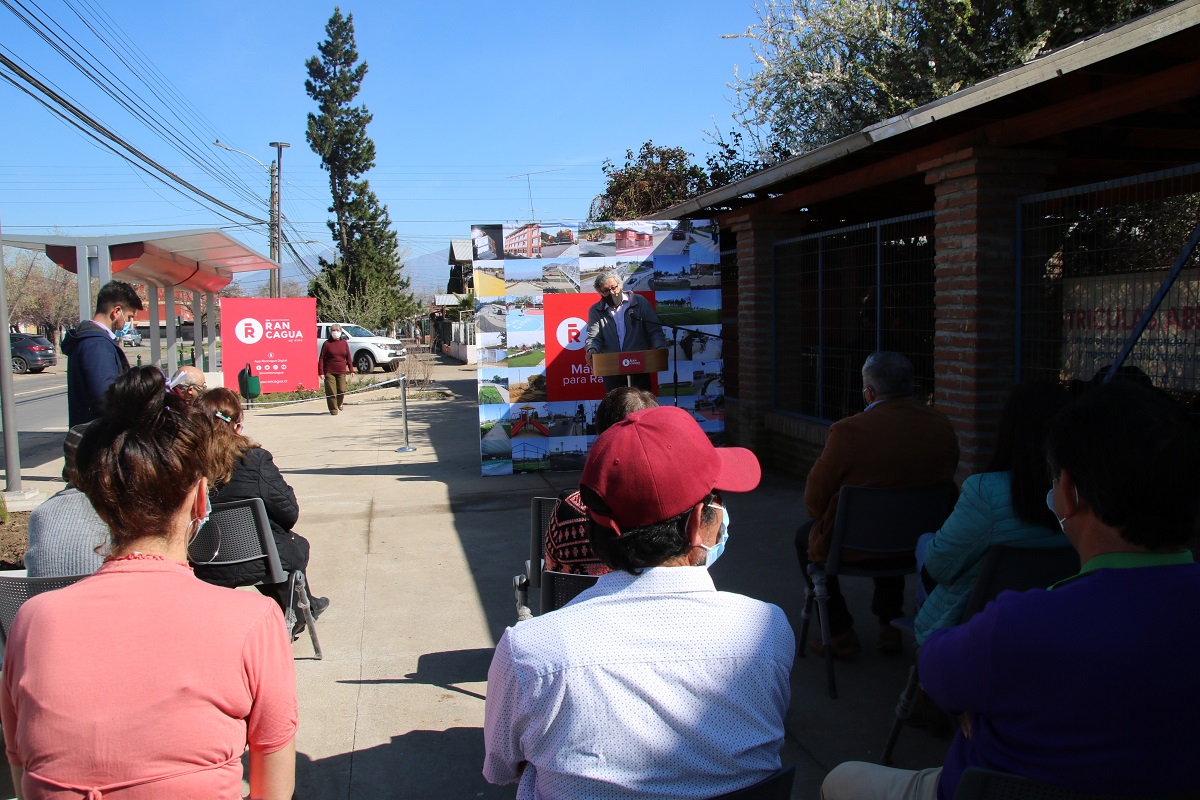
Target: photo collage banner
[{"x": 534, "y": 284}]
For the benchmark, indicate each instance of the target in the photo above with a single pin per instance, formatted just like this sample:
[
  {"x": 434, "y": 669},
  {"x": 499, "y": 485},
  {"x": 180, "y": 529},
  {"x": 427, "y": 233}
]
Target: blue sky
[{"x": 464, "y": 96}]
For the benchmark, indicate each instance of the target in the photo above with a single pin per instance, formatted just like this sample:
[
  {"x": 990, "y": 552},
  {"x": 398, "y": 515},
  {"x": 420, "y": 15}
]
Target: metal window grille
[
  {"x": 1090, "y": 259},
  {"x": 841, "y": 295},
  {"x": 729, "y": 313}
]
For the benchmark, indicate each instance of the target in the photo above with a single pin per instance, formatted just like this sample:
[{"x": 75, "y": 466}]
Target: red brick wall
[
  {"x": 756, "y": 236},
  {"x": 975, "y": 281}
]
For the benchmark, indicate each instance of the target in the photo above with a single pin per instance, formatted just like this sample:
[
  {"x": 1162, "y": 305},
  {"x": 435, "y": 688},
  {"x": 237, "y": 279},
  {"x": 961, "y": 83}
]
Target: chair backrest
[
  {"x": 1018, "y": 569},
  {"x": 977, "y": 783},
  {"x": 560, "y": 588},
  {"x": 541, "y": 509},
  {"x": 776, "y": 787},
  {"x": 237, "y": 532},
  {"x": 886, "y": 521},
  {"x": 16, "y": 589}
]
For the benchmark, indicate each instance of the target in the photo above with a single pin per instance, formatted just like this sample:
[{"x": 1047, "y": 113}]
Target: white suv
[{"x": 366, "y": 349}]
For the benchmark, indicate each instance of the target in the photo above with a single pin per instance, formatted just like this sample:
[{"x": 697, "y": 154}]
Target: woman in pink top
[{"x": 142, "y": 681}]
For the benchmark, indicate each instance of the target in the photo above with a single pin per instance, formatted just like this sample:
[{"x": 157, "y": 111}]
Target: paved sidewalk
[{"x": 417, "y": 553}]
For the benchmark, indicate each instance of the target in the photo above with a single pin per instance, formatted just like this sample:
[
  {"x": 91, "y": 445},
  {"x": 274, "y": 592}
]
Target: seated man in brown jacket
[{"x": 897, "y": 442}]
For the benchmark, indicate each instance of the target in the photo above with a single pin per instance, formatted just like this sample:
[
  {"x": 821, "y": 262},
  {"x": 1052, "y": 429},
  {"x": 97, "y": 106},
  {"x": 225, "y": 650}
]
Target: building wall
[{"x": 974, "y": 194}]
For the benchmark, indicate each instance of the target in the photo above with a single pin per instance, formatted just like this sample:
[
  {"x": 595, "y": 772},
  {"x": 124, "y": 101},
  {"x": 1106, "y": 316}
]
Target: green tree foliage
[
  {"x": 364, "y": 283},
  {"x": 829, "y": 68},
  {"x": 657, "y": 178}
]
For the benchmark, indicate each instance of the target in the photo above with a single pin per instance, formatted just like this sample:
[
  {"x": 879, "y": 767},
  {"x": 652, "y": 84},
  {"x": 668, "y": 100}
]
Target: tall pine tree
[{"x": 364, "y": 284}]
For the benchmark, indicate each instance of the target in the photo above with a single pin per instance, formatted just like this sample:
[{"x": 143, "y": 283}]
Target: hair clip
[{"x": 221, "y": 416}]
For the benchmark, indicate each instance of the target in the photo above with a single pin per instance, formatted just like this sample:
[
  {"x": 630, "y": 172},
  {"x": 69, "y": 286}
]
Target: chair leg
[
  {"x": 302, "y": 602},
  {"x": 904, "y": 707},
  {"x": 821, "y": 589},
  {"x": 805, "y": 617},
  {"x": 521, "y": 590}
]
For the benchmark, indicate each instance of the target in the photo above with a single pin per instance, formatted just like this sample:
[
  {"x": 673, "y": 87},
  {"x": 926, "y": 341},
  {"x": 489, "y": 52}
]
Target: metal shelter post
[
  {"x": 103, "y": 263},
  {"x": 172, "y": 341},
  {"x": 197, "y": 329},
  {"x": 210, "y": 302},
  {"x": 84, "y": 275},
  {"x": 8, "y": 408},
  {"x": 155, "y": 338}
]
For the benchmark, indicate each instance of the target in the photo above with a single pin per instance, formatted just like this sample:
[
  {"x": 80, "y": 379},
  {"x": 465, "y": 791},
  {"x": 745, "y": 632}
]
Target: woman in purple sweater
[{"x": 334, "y": 366}]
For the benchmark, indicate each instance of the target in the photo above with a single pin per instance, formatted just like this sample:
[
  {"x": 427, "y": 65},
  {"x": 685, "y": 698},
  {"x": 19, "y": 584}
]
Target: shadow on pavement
[
  {"x": 444, "y": 670},
  {"x": 419, "y": 764}
]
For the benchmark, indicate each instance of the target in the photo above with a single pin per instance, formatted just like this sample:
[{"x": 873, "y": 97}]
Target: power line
[{"x": 93, "y": 124}]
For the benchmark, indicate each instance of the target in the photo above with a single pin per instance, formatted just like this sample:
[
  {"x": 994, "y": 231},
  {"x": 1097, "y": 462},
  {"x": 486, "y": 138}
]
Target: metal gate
[
  {"x": 1090, "y": 261},
  {"x": 841, "y": 295}
]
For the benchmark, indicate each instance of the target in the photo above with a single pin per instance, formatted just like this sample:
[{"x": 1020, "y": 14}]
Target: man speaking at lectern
[{"x": 621, "y": 321}]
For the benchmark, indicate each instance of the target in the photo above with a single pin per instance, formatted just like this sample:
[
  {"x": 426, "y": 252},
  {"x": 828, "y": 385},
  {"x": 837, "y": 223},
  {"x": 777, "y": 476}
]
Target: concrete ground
[{"x": 417, "y": 552}]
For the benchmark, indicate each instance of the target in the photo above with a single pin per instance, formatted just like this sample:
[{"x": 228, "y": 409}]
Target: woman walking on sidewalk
[{"x": 334, "y": 365}]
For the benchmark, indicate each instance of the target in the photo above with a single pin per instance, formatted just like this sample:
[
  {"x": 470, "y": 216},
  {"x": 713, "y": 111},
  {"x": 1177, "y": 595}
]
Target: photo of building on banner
[{"x": 535, "y": 286}]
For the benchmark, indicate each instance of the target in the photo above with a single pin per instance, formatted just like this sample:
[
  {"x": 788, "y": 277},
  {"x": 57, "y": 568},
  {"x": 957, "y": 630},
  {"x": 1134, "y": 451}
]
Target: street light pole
[
  {"x": 275, "y": 171},
  {"x": 277, "y": 217}
]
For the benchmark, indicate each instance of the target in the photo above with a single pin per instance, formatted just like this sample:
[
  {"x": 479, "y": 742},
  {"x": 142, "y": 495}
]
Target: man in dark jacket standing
[
  {"x": 94, "y": 356},
  {"x": 621, "y": 321}
]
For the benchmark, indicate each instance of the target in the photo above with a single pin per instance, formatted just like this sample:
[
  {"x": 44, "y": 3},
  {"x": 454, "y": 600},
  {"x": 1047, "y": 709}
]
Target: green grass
[
  {"x": 489, "y": 395},
  {"x": 487, "y": 426},
  {"x": 530, "y": 359},
  {"x": 688, "y": 316}
]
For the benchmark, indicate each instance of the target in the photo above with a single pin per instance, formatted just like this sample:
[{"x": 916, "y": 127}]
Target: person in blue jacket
[
  {"x": 1004, "y": 504},
  {"x": 93, "y": 350}
]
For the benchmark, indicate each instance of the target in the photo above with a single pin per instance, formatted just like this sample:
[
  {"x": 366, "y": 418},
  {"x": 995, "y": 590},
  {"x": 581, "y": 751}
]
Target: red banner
[
  {"x": 567, "y": 374},
  {"x": 276, "y": 337}
]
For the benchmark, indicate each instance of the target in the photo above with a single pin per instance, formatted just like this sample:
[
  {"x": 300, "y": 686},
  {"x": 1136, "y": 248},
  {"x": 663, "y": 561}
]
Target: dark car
[{"x": 31, "y": 353}]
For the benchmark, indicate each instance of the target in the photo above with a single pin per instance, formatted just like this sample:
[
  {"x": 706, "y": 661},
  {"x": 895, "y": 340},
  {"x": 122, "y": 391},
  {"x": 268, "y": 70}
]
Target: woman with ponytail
[{"x": 141, "y": 680}]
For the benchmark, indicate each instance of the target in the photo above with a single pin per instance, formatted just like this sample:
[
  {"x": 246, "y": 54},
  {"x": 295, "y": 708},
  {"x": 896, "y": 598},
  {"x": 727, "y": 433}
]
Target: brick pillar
[
  {"x": 975, "y": 278},
  {"x": 756, "y": 314}
]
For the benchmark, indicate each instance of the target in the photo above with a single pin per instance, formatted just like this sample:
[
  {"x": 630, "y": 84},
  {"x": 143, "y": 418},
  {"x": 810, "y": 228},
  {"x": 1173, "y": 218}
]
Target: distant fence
[{"x": 1089, "y": 261}]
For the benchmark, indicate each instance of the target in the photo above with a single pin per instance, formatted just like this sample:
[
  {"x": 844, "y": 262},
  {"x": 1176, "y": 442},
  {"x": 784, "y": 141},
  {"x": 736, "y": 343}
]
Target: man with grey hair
[
  {"x": 897, "y": 442},
  {"x": 621, "y": 321},
  {"x": 187, "y": 383}
]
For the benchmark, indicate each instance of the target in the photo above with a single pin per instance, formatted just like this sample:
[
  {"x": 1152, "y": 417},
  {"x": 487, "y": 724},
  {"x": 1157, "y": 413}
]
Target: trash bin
[{"x": 249, "y": 385}]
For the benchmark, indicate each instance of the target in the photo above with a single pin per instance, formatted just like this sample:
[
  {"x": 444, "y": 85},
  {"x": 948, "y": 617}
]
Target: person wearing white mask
[
  {"x": 333, "y": 366},
  {"x": 651, "y": 683}
]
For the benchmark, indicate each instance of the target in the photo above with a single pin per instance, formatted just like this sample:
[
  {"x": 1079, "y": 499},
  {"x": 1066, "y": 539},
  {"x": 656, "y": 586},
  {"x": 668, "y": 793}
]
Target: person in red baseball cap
[{"x": 582, "y": 700}]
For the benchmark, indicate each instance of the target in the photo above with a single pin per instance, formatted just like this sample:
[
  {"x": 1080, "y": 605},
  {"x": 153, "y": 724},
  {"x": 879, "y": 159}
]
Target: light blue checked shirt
[{"x": 650, "y": 686}]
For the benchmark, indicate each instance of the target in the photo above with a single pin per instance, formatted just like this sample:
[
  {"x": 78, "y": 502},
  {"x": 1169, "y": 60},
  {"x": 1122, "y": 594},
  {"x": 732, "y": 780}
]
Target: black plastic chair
[
  {"x": 240, "y": 531},
  {"x": 541, "y": 510},
  {"x": 977, "y": 783},
  {"x": 776, "y": 787},
  {"x": 1004, "y": 568},
  {"x": 883, "y": 522},
  {"x": 560, "y": 588},
  {"x": 16, "y": 589}
]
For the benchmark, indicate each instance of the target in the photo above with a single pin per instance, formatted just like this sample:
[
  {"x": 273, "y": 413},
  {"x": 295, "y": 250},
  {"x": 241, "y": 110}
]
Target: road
[{"x": 41, "y": 406}]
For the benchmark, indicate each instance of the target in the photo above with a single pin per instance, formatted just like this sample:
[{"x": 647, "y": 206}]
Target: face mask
[
  {"x": 200, "y": 522},
  {"x": 711, "y": 554},
  {"x": 1050, "y": 505},
  {"x": 335, "y": 335}
]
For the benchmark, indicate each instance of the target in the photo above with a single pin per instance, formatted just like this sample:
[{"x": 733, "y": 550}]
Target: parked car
[
  {"x": 367, "y": 350},
  {"x": 132, "y": 339},
  {"x": 31, "y": 353}
]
